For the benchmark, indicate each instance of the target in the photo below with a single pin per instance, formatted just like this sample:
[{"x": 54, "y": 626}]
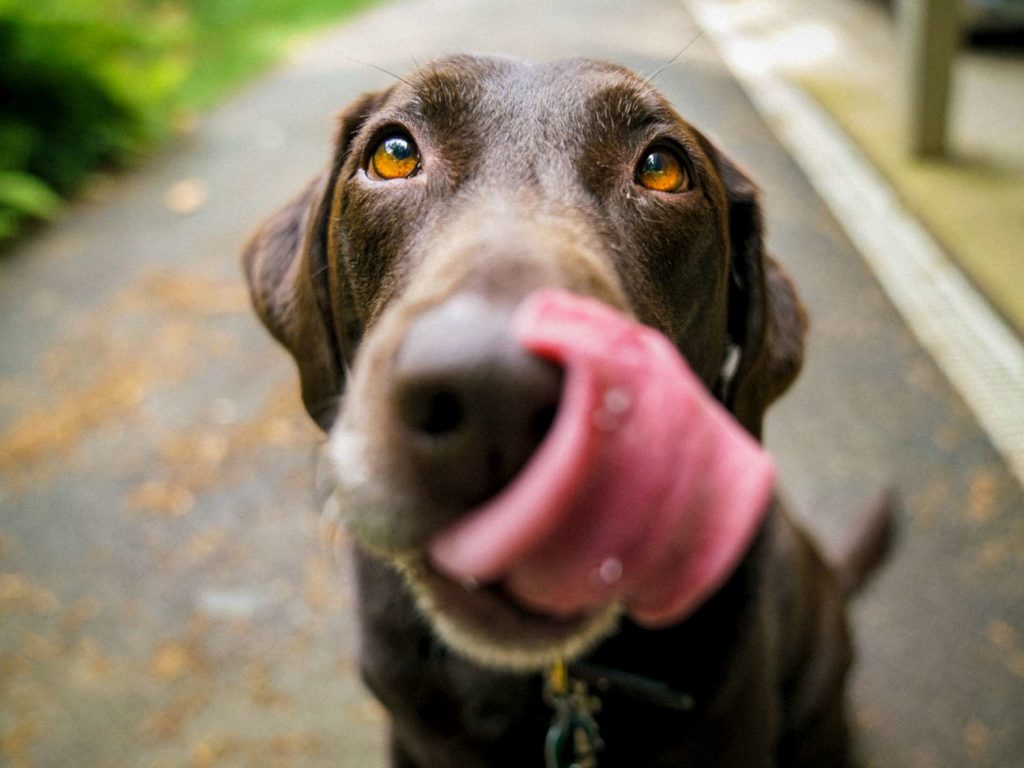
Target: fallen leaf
[
  {"x": 187, "y": 196},
  {"x": 977, "y": 739},
  {"x": 207, "y": 752},
  {"x": 41, "y": 647},
  {"x": 16, "y": 741},
  {"x": 194, "y": 293},
  {"x": 981, "y": 498},
  {"x": 296, "y": 744},
  {"x": 167, "y": 723},
  {"x": 202, "y": 545},
  {"x": 80, "y": 613},
  {"x": 18, "y": 592},
  {"x": 261, "y": 688},
  {"x": 91, "y": 665},
  {"x": 173, "y": 660},
  {"x": 163, "y": 498},
  {"x": 53, "y": 430}
]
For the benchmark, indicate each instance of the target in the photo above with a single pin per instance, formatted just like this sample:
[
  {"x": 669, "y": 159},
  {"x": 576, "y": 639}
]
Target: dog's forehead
[{"x": 530, "y": 95}]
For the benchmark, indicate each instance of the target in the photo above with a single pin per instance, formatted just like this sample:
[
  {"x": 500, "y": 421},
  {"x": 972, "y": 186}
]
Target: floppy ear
[
  {"x": 286, "y": 262},
  {"x": 766, "y": 319}
]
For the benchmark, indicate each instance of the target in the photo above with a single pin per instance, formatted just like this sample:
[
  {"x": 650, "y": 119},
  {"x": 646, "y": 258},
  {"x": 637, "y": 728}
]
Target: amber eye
[
  {"x": 661, "y": 170},
  {"x": 396, "y": 157}
]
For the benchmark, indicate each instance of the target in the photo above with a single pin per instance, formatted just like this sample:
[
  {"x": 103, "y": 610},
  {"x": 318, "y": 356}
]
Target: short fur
[{"x": 528, "y": 180}]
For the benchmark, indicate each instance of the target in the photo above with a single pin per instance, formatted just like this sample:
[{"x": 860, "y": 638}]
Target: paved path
[{"x": 163, "y": 598}]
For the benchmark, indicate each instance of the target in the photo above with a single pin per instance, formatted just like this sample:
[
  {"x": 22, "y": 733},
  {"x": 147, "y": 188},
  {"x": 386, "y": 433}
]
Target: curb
[{"x": 975, "y": 349}]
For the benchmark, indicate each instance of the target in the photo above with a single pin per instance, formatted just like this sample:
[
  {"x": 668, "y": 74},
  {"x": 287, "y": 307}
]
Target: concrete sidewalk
[
  {"x": 164, "y": 598},
  {"x": 848, "y": 56}
]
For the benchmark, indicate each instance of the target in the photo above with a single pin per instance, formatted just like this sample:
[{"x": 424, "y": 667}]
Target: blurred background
[
  {"x": 91, "y": 85},
  {"x": 164, "y": 598}
]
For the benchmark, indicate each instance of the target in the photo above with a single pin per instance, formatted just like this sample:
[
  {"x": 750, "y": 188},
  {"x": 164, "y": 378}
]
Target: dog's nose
[{"x": 471, "y": 404}]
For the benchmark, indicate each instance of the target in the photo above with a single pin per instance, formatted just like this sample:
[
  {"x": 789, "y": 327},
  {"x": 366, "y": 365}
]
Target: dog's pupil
[
  {"x": 656, "y": 163},
  {"x": 398, "y": 148},
  {"x": 661, "y": 171}
]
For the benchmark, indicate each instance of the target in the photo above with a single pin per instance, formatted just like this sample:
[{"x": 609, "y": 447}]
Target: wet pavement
[{"x": 164, "y": 600}]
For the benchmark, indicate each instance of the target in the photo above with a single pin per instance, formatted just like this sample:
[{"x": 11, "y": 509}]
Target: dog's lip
[{"x": 461, "y": 599}]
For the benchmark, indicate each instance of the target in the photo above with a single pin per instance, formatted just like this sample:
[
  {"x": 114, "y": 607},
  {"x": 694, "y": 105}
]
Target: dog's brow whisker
[
  {"x": 674, "y": 59},
  {"x": 380, "y": 69},
  {"x": 340, "y": 540},
  {"x": 331, "y": 528}
]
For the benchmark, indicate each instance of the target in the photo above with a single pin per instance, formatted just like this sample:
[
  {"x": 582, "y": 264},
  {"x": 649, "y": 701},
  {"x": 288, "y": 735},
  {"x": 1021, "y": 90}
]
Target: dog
[{"x": 451, "y": 197}]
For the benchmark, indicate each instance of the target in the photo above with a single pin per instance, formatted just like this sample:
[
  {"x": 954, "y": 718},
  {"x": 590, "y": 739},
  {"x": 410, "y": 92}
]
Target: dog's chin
[
  {"x": 485, "y": 625},
  {"x": 481, "y": 623}
]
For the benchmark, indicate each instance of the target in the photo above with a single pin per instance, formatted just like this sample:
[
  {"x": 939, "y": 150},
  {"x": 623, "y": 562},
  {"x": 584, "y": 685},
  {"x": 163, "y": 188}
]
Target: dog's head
[{"x": 450, "y": 197}]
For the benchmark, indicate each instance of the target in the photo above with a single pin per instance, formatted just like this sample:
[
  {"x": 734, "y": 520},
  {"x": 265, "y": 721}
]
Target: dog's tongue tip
[{"x": 635, "y": 433}]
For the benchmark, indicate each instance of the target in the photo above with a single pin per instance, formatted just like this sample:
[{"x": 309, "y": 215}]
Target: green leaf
[{"x": 27, "y": 195}]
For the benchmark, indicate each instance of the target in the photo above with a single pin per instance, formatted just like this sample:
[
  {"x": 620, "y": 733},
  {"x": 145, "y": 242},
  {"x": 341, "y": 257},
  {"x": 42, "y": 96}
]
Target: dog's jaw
[
  {"x": 484, "y": 625},
  {"x": 477, "y": 621}
]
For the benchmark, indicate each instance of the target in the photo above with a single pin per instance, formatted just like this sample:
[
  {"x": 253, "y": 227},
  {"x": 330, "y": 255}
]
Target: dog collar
[
  {"x": 727, "y": 373},
  {"x": 573, "y": 739}
]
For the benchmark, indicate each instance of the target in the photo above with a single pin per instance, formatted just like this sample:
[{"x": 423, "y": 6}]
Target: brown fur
[{"x": 527, "y": 181}]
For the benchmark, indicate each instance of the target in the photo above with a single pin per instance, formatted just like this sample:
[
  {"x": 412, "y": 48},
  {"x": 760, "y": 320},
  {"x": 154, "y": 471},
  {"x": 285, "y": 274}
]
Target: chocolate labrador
[{"x": 393, "y": 280}]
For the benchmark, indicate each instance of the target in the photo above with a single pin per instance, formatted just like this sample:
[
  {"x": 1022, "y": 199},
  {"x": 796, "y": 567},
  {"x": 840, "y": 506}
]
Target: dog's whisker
[
  {"x": 339, "y": 542},
  {"x": 331, "y": 530},
  {"x": 380, "y": 69},
  {"x": 674, "y": 59}
]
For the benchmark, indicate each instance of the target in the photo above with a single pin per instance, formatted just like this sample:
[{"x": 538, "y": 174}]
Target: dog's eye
[
  {"x": 396, "y": 157},
  {"x": 661, "y": 170}
]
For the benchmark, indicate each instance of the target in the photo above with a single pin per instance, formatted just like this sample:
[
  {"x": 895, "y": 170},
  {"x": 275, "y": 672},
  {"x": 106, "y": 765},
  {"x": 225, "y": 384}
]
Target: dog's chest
[{"x": 447, "y": 711}]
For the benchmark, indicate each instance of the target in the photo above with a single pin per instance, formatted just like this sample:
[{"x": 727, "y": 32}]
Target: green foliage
[
  {"x": 23, "y": 196},
  {"x": 86, "y": 84}
]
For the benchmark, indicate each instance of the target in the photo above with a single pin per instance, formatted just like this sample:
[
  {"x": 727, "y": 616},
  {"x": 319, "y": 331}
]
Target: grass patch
[
  {"x": 91, "y": 83},
  {"x": 232, "y": 39},
  {"x": 973, "y": 205}
]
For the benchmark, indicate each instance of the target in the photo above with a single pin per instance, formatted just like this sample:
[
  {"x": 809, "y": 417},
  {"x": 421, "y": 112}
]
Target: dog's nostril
[
  {"x": 431, "y": 411},
  {"x": 445, "y": 414},
  {"x": 471, "y": 404}
]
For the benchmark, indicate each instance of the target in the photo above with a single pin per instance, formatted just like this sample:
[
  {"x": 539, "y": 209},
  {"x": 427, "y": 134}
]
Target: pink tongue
[{"x": 645, "y": 490}]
